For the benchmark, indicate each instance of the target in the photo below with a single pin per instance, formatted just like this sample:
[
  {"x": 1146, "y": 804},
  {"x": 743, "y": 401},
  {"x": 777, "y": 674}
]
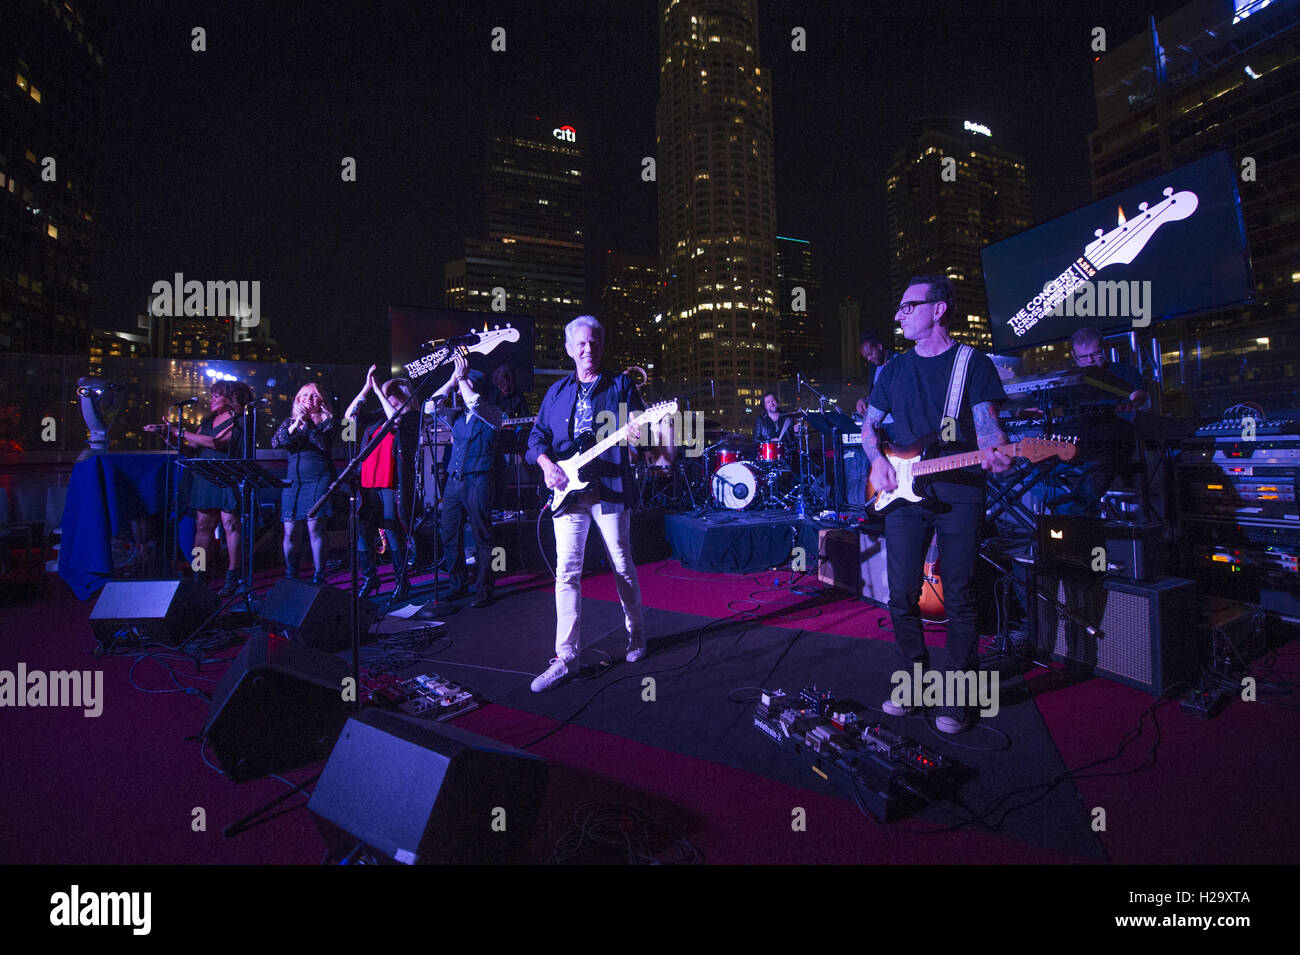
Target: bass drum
[{"x": 737, "y": 485}]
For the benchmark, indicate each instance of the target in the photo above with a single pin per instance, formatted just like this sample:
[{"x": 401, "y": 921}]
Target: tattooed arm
[
  {"x": 989, "y": 434},
  {"x": 883, "y": 477},
  {"x": 871, "y": 440}
]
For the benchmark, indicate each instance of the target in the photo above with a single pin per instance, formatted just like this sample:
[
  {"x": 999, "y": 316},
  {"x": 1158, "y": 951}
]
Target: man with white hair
[{"x": 572, "y": 406}]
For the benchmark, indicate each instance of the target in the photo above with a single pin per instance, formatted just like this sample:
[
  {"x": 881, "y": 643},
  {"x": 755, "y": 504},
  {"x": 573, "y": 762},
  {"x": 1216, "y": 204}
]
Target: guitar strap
[{"x": 957, "y": 383}]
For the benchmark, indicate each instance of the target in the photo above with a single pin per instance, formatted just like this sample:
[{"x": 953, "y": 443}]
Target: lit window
[
  {"x": 22, "y": 82},
  {"x": 35, "y": 94},
  {"x": 51, "y": 230}
]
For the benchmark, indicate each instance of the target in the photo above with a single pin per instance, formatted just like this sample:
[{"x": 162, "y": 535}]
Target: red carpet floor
[{"x": 127, "y": 788}]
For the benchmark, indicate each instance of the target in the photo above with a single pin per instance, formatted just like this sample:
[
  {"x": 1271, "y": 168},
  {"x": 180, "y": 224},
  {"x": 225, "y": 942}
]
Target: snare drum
[
  {"x": 725, "y": 458},
  {"x": 770, "y": 451},
  {"x": 737, "y": 485}
]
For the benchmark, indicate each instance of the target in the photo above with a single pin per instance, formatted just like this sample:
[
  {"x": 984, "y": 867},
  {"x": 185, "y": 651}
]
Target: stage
[{"x": 682, "y": 759}]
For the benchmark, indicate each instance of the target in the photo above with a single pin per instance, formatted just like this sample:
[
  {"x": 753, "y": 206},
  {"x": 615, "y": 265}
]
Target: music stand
[{"x": 242, "y": 477}]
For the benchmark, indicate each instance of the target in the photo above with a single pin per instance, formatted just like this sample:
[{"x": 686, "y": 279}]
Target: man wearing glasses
[
  {"x": 913, "y": 387},
  {"x": 1104, "y": 446}
]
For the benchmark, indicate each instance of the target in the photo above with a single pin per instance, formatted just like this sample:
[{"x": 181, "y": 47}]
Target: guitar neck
[
  {"x": 952, "y": 462},
  {"x": 600, "y": 447}
]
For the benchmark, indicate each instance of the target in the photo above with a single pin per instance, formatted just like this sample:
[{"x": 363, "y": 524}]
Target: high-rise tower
[
  {"x": 534, "y": 249},
  {"x": 51, "y": 101},
  {"x": 950, "y": 191},
  {"x": 717, "y": 208}
]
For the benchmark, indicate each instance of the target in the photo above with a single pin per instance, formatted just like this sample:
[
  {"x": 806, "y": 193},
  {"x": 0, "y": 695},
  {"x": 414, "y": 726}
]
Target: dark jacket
[{"x": 553, "y": 435}]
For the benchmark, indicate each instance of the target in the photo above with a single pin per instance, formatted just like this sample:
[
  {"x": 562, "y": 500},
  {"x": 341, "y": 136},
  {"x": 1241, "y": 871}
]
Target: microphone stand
[
  {"x": 351, "y": 476},
  {"x": 172, "y": 532}
]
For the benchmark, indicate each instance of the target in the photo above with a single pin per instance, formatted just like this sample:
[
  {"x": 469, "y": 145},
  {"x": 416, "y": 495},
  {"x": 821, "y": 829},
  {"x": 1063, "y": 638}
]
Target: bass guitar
[
  {"x": 589, "y": 448},
  {"x": 912, "y": 468}
]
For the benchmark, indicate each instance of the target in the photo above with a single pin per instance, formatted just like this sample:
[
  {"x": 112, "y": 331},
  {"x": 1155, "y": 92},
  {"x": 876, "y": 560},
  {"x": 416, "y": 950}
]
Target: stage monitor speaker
[
  {"x": 279, "y": 706},
  {"x": 164, "y": 611},
  {"x": 1147, "y": 635},
  {"x": 854, "y": 561},
  {"x": 418, "y": 792},
  {"x": 315, "y": 615}
]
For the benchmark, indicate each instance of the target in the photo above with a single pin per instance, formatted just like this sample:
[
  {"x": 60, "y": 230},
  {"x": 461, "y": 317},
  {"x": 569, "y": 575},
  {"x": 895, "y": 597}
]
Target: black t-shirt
[{"x": 913, "y": 389}]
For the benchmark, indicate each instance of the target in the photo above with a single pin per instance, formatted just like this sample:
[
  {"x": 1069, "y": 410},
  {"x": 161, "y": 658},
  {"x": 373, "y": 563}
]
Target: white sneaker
[
  {"x": 893, "y": 709},
  {"x": 555, "y": 673},
  {"x": 635, "y": 648}
]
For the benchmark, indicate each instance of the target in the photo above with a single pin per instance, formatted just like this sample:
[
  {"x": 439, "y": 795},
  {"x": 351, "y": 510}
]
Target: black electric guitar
[{"x": 589, "y": 448}]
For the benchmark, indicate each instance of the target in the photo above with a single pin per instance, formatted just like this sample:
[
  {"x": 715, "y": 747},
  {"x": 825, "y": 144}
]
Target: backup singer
[
  {"x": 572, "y": 406},
  {"x": 308, "y": 436},
  {"x": 220, "y": 436},
  {"x": 913, "y": 388},
  {"x": 387, "y": 483},
  {"x": 468, "y": 495}
]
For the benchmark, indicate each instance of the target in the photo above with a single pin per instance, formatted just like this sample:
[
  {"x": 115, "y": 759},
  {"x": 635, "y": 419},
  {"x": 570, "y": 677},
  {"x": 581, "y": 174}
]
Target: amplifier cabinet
[
  {"x": 1147, "y": 635},
  {"x": 854, "y": 561}
]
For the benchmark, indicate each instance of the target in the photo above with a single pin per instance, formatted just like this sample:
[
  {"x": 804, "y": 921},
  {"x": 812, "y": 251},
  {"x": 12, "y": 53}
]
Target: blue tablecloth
[{"x": 105, "y": 494}]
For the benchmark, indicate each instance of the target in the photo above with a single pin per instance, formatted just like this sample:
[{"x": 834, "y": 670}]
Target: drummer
[{"x": 771, "y": 424}]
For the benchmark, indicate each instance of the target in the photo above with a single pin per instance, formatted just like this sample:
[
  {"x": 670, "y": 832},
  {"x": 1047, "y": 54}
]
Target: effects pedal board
[
  {"x": 887, "y": 774},
  {"x": 428, "y": 696}
]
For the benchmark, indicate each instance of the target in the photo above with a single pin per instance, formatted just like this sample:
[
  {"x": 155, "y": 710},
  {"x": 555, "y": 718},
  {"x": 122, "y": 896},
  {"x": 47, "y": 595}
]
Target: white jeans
[{"x": 570, "y": 543}]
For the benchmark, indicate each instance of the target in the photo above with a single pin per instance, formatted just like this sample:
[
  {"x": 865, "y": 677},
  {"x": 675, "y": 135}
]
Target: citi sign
[{"x": 566, "y": 133}]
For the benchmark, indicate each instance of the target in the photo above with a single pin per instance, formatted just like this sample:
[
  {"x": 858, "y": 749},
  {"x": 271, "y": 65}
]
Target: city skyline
[{"x": 249, "y": 180}]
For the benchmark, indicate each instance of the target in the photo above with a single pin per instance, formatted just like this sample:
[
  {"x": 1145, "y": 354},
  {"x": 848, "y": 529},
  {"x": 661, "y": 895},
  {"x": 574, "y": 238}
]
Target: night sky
[{"x": 225, "y": 164}]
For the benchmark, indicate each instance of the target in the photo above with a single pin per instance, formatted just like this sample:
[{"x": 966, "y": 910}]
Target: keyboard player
[{"x": 1105, "y": 439}]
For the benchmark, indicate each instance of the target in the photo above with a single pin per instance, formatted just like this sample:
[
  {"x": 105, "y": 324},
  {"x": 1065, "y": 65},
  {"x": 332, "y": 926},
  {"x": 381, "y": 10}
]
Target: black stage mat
[{"x": 697, "y": 677}]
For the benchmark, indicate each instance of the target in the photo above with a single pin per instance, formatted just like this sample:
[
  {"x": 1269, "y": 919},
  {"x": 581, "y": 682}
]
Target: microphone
[{"x": 185, "y": 401}]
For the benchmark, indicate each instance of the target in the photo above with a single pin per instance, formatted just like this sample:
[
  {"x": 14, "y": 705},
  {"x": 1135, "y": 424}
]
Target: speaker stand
[{"x": 254, "y": 818}]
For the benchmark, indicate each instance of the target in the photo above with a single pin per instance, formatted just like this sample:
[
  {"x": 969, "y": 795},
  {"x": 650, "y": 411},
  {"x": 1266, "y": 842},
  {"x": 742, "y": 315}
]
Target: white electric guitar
[
  {"x": 911, "y": 468},
  {"x": 588, "y": 449},
  {"x": 443, "y": 351}
]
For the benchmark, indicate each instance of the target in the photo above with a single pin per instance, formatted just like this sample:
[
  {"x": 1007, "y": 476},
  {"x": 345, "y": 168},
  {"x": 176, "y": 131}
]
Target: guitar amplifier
[
  {"x": 1145, "y": 635},
  {"x": 1067, "y": 544},
  {"x": 854, "y": 561}
]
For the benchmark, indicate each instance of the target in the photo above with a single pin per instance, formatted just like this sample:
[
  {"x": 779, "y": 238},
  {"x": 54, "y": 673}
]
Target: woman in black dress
[
  {"x": 220, "y": 435},
  {"x": 308, "y": 436}
]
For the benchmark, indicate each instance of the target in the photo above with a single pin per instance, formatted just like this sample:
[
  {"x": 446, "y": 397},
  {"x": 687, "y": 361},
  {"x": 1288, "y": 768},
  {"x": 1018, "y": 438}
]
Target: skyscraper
[
  {"x": 51, "y": 101},
  {"x": 629, "y": 307},
  {"x": 717, "y": 208},
  {"x": 533, "y": 249},
  {"x": 1229, "y": 78},
  {"x": 801, "y": 317},
  {"x": 950, "y": 191}
]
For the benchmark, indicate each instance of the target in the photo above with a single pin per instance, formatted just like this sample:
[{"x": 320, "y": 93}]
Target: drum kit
[{"x": 744, "y": 474}]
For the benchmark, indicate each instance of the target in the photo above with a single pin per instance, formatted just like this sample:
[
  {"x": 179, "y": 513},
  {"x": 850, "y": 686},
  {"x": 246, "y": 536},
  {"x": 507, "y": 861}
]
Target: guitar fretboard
[{"x": 953, "y": 461}]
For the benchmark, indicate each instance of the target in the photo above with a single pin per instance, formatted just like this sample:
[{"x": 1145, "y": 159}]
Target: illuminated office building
[
  {"x": 717, "y": 205},
  {"x": 533, "y": 247},
  {"x": 51, "y": 102},
  {"x": 800, "y": 307},
  {"x": 950, "y": 191},
  {"x": 629, "y": 310}
]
